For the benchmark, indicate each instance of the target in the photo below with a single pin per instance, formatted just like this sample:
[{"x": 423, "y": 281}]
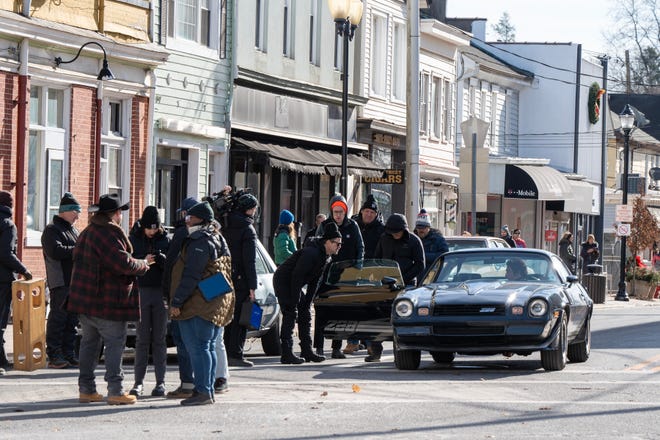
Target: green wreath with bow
[{"x": 595, "y": 92}]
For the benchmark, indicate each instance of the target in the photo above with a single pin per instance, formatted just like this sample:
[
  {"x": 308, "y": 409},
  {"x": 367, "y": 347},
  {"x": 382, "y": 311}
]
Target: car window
[
  {"x": 487, "y": 266},
  {"x": 369, "y": 273}
]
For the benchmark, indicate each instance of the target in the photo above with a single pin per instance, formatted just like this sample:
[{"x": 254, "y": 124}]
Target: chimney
[{"x": 438, "y": 9}]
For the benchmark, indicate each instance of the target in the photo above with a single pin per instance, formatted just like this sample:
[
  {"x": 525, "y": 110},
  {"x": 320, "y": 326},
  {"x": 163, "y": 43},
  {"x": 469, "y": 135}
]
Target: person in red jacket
[{"x": 104, "y": 294}]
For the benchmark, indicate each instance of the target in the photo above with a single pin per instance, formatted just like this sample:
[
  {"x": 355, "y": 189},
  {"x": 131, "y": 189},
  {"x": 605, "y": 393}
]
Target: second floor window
[
  {"x": 203, "y": 22},
  {"x": 379, "y": 55},
  {"x": 314, "y": 23},
  {"x": 399, "y": 57},
  {"x": 288, "y": 34},
  {"x": 261, "y": 20}
]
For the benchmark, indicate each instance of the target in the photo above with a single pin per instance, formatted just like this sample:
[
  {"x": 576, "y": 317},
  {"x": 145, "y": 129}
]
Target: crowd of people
[{"x": 102, "y": 278}]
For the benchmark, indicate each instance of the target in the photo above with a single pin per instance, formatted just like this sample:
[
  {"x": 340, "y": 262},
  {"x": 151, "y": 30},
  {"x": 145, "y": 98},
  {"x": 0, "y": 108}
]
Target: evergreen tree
[{"x": 505, "y": 31}]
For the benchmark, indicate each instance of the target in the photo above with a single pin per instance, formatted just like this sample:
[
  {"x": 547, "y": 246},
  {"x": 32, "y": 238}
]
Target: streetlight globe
[
  {"x": 355, "y": 12},
  {"x": 627, "y": 118},
  {"x": 339, "y": 9}
]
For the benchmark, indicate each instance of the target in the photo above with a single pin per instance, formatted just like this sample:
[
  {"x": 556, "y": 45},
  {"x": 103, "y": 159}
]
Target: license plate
[{"x": 341, "y": 326}]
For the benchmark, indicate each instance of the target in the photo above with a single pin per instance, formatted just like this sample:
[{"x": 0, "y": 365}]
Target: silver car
[{"x": 461, "y": 242}]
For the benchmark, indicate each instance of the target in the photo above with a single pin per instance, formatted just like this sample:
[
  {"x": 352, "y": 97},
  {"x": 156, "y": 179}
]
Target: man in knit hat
[
  {"x": 57, "y": 243},
  {"x": 352, "y": 249},
  {"x": 10, "y": 268},
  {"x": 432, "y": 239},
  {"x": 506, "y": 235}
]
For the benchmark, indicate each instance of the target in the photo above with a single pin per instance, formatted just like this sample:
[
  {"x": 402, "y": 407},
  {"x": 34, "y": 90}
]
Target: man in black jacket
[
  {"x": 304, "y": 267},
  {"x": 242, "y": 240},
  {"x": 57, "y": 242},
  {"x": 10, "y": 267}
]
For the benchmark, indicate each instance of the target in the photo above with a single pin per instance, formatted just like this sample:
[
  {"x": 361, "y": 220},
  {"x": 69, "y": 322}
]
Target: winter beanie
[
  {"x": 6, "y": 199},
  {"x": 331, "y": 231},
  {"x": 423, "y": 220},
  {"x": 286, "y": 217},
  {"x": 150, "y": 218},
  {"x": 339, "y": 200},
  {"x": 370, "y": 203},
  {"x": 69, "y": 203},
  {"x": 202, "y": 210}
]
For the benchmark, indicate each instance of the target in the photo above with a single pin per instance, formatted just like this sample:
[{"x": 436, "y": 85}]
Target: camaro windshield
[{"x": 488, "y": 266}]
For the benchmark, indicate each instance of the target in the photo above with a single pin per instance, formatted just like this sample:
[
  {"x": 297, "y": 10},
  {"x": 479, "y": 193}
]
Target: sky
[{"x": 576, "y": 21}]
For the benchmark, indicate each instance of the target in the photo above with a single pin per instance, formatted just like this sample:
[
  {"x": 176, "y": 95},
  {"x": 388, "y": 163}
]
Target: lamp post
[
  {"x": 347, "y": 15},
  {"x": 104, "y": 73},
  {"x": 627, "y": 118}
]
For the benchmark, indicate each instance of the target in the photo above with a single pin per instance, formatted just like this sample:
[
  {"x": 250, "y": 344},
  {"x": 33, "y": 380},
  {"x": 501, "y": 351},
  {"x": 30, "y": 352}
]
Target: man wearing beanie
[
  {"x": 10, "y": 267},
  {"x": 104, "y": 293},
  {"x": 404, "y": 247},
  {"x": 432, "y": 239},
  {"x": 285, "y": 237},
  {"x": 506, "y": 235},
  {"x": 352, "y": 249},
  {"x": 57, "y": 243},
  {"x": 242, "y": 239},
  {"x": 304, "y": 267},
  {"x": 186, "y": 385}
]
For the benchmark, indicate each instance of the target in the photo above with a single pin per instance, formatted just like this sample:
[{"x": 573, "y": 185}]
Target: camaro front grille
[
  {"x": 469, "y": 309},
  {"x": 466, "y": 330}
]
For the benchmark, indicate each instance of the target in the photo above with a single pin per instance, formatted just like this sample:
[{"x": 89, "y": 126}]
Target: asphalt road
[{"x": 613, "y": 395}]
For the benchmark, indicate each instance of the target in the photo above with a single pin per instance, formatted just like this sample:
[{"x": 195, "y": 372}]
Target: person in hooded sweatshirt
[
  {"x": 304, "y": 267},
  {"x": 352, "y": 249},
  {"x": 242, "y": 240},
  {"x": 432, "y": 240},
  {"x": 404, "y": 247},
  {"x": 148, "y": 237}
]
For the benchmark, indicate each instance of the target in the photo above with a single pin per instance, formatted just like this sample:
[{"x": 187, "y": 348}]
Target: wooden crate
[{"x": 29, "y": 324}]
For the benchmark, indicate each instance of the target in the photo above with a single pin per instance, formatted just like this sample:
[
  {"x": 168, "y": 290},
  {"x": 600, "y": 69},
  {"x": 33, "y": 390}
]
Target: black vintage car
[
  {"x": 494, "y": 301},
  {"x": 354, "y": 301}
]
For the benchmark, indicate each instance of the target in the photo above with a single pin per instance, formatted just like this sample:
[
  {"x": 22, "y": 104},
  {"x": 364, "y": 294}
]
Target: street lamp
[
  {"x": 347, "y": 15},
  {"x": 105, "y": 72},
  {"x": 627, "y": 118}
]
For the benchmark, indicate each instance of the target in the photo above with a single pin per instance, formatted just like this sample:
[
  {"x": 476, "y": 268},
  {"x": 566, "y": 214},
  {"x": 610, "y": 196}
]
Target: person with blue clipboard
[{"x": 202, "y": 313}]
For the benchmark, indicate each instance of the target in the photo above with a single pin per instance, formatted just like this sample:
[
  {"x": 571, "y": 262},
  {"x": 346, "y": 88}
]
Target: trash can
[{"x": 596, "y": 285}]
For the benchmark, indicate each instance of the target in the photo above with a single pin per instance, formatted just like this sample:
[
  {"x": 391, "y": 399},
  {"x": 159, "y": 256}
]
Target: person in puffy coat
[
  {"x": 305, "y": 267},
  {"x": 104, "y": 294},
  {"x": 148, "y": 237},
  {"x": 204, "y": 253},
  {"x": 284, "y": 242},
  {"x": 352, "y": 248},
  {"x": 432, "y": 240}
]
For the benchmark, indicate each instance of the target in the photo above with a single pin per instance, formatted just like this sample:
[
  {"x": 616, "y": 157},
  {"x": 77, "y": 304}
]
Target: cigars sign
[{"x": 389, "y": 176}]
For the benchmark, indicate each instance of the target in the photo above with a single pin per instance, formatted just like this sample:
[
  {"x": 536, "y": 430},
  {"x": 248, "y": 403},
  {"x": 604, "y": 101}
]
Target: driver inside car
[{"x": 516, "y": 269}]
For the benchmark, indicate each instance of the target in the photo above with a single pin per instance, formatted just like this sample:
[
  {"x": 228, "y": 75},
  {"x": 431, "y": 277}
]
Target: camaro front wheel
[
  {"x": 579, "y": 351},
  {"x": 406, "y": 359},
  {"x": 555, "y": 359}
]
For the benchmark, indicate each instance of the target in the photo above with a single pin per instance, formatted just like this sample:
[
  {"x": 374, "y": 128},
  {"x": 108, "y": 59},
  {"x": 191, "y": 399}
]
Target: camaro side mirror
[
  {"x": 391, "y": 282},
  {"x": 572, "y": 278}
]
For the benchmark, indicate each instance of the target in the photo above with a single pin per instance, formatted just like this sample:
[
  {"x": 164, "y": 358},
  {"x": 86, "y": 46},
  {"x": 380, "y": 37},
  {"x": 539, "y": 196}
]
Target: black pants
[
  {"x": 61, "y": 325},
  {"x": 319, "y": 324},
  {"x": 235, "y": 333},
  {"x": 302, "y": 314}
]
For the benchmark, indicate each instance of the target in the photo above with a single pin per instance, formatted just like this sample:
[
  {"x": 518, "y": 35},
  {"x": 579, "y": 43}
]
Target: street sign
[
  {"x": 624, "y": 213},
  {"x": 623, "y": 230}
]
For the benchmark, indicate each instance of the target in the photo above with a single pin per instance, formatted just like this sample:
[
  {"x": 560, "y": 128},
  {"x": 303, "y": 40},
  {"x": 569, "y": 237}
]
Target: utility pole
[{"x": 412, "y": 113}]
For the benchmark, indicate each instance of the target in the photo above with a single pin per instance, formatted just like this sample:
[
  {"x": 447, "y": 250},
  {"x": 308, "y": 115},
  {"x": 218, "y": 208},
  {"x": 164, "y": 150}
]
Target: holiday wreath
[{"x": 595, "y": 92}]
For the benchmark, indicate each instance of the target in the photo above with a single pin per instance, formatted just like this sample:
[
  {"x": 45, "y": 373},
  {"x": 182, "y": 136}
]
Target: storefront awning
[
  {"x": 310, "y": 161},
  {"x": 581, "y": 200},
  {"x": 539, "y": 182}
]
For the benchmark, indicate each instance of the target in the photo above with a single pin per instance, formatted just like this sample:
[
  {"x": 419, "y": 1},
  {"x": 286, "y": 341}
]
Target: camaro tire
[
  {"x": 270, "y": 342},
  {"x": 442, "y": 357},
  {"x": 555, "y": 360},
  {"x": 579, "y": 351},
  {"x": 406, "y": 359}
]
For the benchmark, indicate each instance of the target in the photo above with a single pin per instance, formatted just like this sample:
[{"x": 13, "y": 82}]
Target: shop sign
[
  {"x": 389, "y": 176},
  {"x": 550, "y": 235}
]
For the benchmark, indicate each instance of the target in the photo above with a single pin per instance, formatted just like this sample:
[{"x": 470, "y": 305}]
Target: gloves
[{"x": 27, "y": 275}]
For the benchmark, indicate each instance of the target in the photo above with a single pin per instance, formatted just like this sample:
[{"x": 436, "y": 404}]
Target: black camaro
[{"x": 494, "y": 301}]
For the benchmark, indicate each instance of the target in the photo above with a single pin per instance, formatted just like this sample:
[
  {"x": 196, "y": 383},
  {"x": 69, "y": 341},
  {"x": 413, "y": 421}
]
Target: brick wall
[{"x": 139, "y": 151}]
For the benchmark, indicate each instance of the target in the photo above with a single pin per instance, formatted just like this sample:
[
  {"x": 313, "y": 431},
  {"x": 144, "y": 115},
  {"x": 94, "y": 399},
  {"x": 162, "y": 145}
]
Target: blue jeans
[
  {"x": 222, "y": 369},
  {"x": 99, "y": 332},
  {"x": 61, "y": 325},
  {"x": 182, "y": 355},
  {"x": 200, "y": 335},
  {"x": 151, "y": 331}
]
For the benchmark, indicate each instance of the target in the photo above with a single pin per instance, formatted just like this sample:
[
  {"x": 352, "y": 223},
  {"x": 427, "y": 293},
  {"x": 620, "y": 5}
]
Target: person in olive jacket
[
  {"x": 104, "y": 293},
  {"x": 242, "y": 239},
  {"x": 57, "y": 243},
  {"x": 148, "y": 237},
  {"x": 203, "y": 254},
  {"x": 304, "y": 267}
]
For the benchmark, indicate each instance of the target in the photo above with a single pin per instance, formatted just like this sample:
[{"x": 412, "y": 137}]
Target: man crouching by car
[{"x": 305, "y": 266}]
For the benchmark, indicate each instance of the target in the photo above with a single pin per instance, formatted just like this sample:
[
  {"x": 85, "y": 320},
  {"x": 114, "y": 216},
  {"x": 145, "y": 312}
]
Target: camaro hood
[{"x": 493, "y": 292}]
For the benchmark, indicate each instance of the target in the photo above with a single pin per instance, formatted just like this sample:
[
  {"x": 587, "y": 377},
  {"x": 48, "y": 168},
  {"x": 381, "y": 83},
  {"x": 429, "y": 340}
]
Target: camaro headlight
[
  {"x": 538, "y": 307},
  {"x": 404, "y": 308}
]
